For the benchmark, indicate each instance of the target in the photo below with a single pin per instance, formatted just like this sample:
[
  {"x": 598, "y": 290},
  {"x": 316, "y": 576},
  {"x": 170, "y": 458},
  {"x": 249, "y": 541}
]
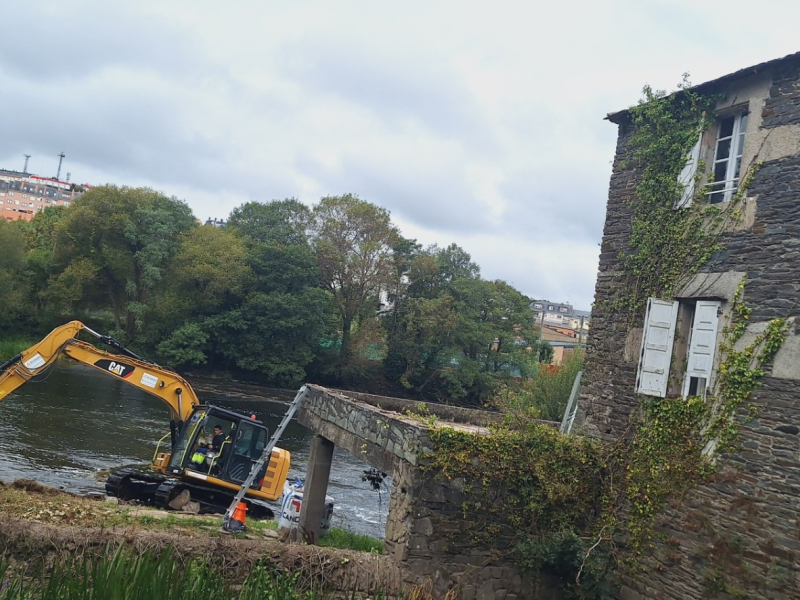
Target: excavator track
[
  {"x": 211, "y": 500},
  {"x": 133, "y": 484},
  {"x": 159, "y": 490}
]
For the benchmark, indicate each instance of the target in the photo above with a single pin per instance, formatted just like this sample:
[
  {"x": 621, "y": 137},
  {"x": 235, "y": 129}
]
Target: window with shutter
[
  {"x": 728, "y": 158},
  {"x": 657, "y": 340},
  {"x": 702, "y": 346}
]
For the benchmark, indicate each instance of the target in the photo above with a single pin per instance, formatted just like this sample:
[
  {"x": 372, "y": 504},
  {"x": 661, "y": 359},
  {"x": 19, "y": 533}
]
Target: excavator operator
[{"x": 217, "y": 440}]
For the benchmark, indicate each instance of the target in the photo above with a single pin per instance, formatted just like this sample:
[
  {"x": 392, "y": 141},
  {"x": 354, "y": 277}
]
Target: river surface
[{"x": 78, "y": 421}]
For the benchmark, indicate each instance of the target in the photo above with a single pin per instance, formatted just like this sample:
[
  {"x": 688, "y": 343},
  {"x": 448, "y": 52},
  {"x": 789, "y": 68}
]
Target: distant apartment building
[
  {"x": 22, "y": 195},
  {"x": 563, "y": 327},
  {"x": 561, "y": 317}
]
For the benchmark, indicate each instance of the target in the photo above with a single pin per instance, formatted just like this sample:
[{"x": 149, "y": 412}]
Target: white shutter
[
  {"x": 657, "y": 339},
  {"x": 686, "y": 178},
  {"x": 703, "y": 343}
]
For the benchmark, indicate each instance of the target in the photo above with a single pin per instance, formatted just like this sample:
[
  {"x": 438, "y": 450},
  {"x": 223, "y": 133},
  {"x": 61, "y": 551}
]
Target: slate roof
[{"x": 619, "y": 116}]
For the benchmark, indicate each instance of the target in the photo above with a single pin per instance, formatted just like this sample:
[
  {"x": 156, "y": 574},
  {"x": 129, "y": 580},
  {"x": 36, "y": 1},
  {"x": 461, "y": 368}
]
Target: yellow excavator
[{"x": 192, "y": 468}]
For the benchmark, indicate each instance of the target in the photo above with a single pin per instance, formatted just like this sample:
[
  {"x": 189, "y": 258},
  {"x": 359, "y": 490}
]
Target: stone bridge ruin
[{"x": 425, "y": 511}]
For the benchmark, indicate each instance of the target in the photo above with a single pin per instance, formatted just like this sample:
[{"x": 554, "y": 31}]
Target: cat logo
[{"x": 117, "y": 368}]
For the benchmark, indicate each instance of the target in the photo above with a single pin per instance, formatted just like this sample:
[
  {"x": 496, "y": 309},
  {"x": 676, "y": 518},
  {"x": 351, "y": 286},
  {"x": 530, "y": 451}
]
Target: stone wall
[
  {"x": 738, "y": 536},
  {"x": 612, "y": 349},
  {"x": 426, "y": 530}
]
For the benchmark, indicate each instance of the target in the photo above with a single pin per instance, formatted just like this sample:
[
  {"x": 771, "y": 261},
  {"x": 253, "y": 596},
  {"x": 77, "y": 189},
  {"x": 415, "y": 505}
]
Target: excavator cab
[{"x": 244, "y": 442}]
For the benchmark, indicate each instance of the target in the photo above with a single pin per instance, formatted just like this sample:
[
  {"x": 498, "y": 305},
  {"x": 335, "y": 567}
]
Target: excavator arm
[{"x": 149, "y": 377}]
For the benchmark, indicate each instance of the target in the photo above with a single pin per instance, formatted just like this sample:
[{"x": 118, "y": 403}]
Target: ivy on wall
[
  {"x": 668, "y": 245},
  {"x": 664, "y": 243},
  {"x": 740, "y": 372}
]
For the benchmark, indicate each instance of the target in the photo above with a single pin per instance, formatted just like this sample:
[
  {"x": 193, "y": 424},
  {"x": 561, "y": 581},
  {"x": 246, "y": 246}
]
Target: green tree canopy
[
  {"x": 123, "y": 238},
  {"x": 353, "y": 241},
  {"x": 41, "y": 236},
  {"x": 13, "y": 287},
  {"x": 453, "y": 335},
  {"x": 282, "y": 222},
  {"x": 234, "y": 302}
]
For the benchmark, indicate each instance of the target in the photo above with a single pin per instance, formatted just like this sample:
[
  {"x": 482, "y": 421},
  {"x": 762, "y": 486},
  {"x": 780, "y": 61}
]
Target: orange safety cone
[
  {"x": 239, "y": 513},
  {"x": 236, "y": 523}
]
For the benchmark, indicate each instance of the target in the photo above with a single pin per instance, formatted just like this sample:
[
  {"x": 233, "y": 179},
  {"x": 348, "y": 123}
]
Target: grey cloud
[
  {"x": 559, "y": 205},
  {"x": 61, "y": 42},
  {"x": 130, "y": 132},
  {"x": 438, "y": 202},
  {"x": 394, "y": 86}
]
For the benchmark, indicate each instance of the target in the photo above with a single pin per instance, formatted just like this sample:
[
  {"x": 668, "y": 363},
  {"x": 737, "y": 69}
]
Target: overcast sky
[{"x": 479, "y": 123}]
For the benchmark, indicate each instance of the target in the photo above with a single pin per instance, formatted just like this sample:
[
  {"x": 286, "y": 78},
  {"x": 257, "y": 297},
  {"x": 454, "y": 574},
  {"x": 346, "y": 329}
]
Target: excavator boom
[{"x": 159, "y": 381}]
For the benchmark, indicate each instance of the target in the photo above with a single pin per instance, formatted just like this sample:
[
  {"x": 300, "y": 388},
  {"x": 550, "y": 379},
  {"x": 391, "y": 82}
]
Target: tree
[
  {"x": 280, "y": 221},
  {"x": 437, "y": 268},
  {"x": 280, "y": 322},
  {"x": 41, "y": 237},
  {"x": 126, "y": 238},
  {"x": 546, "y": 393},
  {"x": 454, "y": 335},
  {"x": 13, "y": 286},
  {"x": 353, "y": 241},
  {"x": 423, "y": 319},
  {"x": 234, "y": 302},
  {"x": 209, "y": 273},
  {"x": 207, "y": 276},
  {"x": 418, "y": 347}
]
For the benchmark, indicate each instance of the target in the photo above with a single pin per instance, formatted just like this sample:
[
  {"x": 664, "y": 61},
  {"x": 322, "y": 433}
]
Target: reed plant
[{"x": 125, "y": 574}]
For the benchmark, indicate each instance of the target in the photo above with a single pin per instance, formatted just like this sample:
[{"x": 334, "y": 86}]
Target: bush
[
  {"x": 585, "y": 570},
  {"x": 545, "y": 394}
]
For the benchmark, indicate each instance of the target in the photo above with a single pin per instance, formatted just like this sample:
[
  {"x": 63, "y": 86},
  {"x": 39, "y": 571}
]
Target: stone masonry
[
  {"x": 425, "y": 517},
  {"x": 738, "y": 536}
]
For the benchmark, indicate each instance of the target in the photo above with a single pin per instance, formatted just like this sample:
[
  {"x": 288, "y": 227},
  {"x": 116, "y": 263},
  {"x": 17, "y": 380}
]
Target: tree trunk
[
  {"x": 344, "y": 352},
  {"x": 114, "y": 305}
]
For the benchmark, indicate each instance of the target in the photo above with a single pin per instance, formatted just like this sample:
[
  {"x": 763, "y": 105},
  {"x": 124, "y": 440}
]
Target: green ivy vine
[
  {"x": 740, "y": 371},
  {"x": 668, "y": 245}
]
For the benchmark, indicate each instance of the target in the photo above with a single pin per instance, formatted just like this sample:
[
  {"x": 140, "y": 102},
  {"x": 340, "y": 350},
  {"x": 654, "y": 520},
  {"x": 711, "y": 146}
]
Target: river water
[{"x": 78, "y": 421}]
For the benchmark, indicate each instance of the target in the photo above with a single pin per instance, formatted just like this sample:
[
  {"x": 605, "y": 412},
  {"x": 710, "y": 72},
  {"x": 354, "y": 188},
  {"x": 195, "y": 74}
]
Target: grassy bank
[
  {"x": 347, "y": 540},
  {"x": 29, "y": 500},
  {"x": 13, "y": 346},
  {"x": 123, "y": 573},
  {"x": 57, "y": 545}
]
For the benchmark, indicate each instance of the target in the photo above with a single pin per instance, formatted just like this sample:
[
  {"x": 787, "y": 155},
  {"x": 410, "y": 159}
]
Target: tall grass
[
  {"x": 12, "y": 347},
  {"x": 545, "y": 394},
  {"x": 128, "y": 575},
  {"x": 347, "y": 540}
]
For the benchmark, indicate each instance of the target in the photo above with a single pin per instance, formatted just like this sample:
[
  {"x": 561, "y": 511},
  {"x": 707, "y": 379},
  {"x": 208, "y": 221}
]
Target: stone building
[{"x": 738, "y": 536}]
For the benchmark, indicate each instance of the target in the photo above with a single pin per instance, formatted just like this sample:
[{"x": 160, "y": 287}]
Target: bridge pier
[{"x": 316, "y": 486}]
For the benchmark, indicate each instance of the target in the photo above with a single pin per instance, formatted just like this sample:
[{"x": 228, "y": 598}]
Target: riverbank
[
  {"x": 234, "y": 388},
  {"x": 39, "y": 525}
]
